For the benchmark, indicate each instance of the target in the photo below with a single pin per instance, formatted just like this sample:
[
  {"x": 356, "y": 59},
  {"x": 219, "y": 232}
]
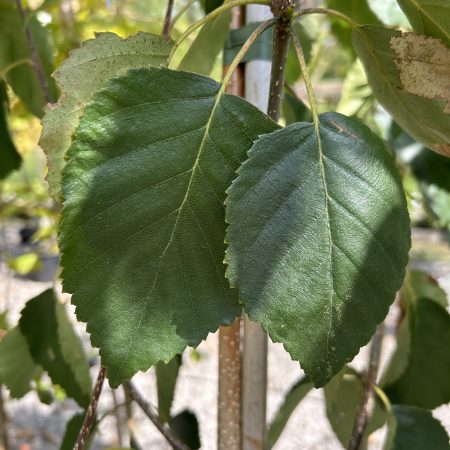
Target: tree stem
[
  {"x": 164, "y": 429},
  {"x": 37, "y": 63},
  {"x": 283, "y": 10},
  {"x": 167, "y": 20},
  {"x": 362, "y": 415},
  {"x": 330, "y": 12},
  {"x": 229, "y": 420},
  {"x": 90, "y": 413}
]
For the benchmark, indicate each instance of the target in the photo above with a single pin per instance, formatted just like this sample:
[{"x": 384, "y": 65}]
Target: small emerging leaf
[
  {"x": 166, "y": 379},
  {"x": 318, "y": 239}
]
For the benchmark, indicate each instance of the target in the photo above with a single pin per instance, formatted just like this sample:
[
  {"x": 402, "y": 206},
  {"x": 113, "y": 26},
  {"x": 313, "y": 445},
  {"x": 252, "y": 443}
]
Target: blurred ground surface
[{"x": 42, "y": 426}]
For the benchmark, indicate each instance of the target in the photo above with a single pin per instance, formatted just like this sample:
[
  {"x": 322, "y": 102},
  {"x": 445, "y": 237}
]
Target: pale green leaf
[
  {"x": 202, "y": 54},
  {"x": 429, "y": 340},
  {"x": 17, "y": 368},
  {"x": 355, "y": 91},
  {"x": 85, "y": 72},
  {"x": 54, "y": 345},
  {"x": 143, "y": 220},
  {"x": 318, "y": 239},
  {"x": 430, "y": 17},
  {"x": 389, "y": 58},
  {"x": 412, "y": 428}
]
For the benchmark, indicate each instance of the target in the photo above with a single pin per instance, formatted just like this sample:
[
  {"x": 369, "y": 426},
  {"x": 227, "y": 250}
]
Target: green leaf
[
  {"x": 85, "y": 72},
  {"x": 421, "y": 284},
  {"x": 389, "y": 13},
  {"x": 185, "y": 426},
  {"x": 210, "y": 5},
  {"x": 358, "y": 10},
  {"x": 294, "y": 110},
  {"x": 295, "y": 395},
  {"x": 430, "y": 17},
  {"x": 389, "y": 58},
  {"x": 429, "y": 329},
  {"x": 355, "y": 91},
  {"x": 432, "y": 168},
  {"x": 54, "y": 345},
  {"x": 9, "y": 157},
  {"x": 318, "y": 239},
  {"x": 166, "y": 379},
  {"x": 17, "y": 368},
  {"x": 202, "y": 54},
  {"x": 413, "y": 428},
  {"x": 343, "y": 395},
  {"x": 143, "y": 220},
  {"x": 14, "y": 49}
]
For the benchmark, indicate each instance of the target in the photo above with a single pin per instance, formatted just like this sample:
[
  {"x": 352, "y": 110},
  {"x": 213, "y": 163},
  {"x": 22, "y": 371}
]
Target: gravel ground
[{"x": 41, "y": 426}]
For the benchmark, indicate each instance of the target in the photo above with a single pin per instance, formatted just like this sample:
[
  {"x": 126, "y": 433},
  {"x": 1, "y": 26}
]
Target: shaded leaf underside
[
  {"x": 143, "y": 221},
  {"x": 318, "y": 239}
]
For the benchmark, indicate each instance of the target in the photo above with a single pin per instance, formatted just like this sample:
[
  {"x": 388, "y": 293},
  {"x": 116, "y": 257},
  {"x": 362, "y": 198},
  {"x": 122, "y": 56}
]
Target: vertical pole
[
  {"x": 229, "y": 399},
  {"x": 254, "y": 370}
]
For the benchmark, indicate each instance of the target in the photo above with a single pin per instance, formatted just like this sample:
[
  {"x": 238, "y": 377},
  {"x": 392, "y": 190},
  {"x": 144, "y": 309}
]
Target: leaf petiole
[
  {"x": 306, "y": 78},
  {"x": 330, "y": 12}
]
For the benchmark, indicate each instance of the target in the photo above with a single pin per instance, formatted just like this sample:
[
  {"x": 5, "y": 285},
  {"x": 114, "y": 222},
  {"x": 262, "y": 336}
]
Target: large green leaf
[
  {"x": 166, "y": 380},
  {"x": 202, "y": 54},
  {"x": 73, "y": 428},
  {"x": 424, "y": 380},
  {"x": 295, "y": 395},
  {"x": 343, "y": 395},
  {"x": 409, "y": 81},
  {"x": 85, "y": 72},
  {"x": 17, "y": 368},
  {"x": 54, "y": 345},
  {"x": 413, "y": 428},
  {"x": 143, "y": 221},
  {"x": 9, "y": 157},
  {"x": 318, "y": 239},
  {"x": 14, "y": 48},
  {"x": 430, "y": 17}
]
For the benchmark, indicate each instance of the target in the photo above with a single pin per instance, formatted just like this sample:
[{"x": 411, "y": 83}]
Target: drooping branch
[
  {"x": 37, "y": 63},
  {"x": 90, "y": 413},
  {"x": 362, "y": 416},
  {"x": 164, "y": 429}
]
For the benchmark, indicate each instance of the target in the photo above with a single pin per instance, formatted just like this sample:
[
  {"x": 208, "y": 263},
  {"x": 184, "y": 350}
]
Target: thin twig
[
  {"x": 130, "y": 423},
  {"x": 90, "y": 413},
  {"x": 362, "y": 416},
  {"x": 167, "y": 19},
  {"x": 37, "y": 63},
  {"x": 163, "y": 428}
]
